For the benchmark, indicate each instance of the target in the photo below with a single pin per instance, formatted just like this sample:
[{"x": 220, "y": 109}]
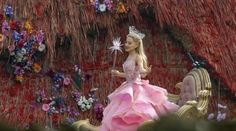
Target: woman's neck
[{"x": 132, "y": 53}]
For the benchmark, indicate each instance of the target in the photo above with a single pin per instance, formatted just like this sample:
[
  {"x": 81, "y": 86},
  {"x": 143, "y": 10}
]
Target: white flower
[
  {"x": 80, "y": 103},
  {"x": 211, "y": 116},
  {"x": 19, "y": 54},
  {"x": 221, "y": 106},
  {"x": 41, "y": 47},
  {"x": 102, "y": 7},
  {"x": 116, "y": 45},
  {"x": 90, "y": 100},
  {"x": 223, "y": 116},
  {"x": 88, "y": 106},
  {"x": 83, "y": 106},
  {"x": 23, "y": 51},
  {"x": 19, "y": 59}
]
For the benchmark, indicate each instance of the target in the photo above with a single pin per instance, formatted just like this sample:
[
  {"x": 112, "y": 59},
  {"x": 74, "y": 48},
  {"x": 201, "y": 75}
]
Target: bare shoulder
[{"x": 138, "y": 58}]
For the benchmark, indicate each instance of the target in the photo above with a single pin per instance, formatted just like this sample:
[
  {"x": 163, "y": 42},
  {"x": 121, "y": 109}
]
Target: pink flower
[
  {"x": 45, "y": 107},
  {"x": 11, "y": 48},
  {"x": 66, "y": 81}
]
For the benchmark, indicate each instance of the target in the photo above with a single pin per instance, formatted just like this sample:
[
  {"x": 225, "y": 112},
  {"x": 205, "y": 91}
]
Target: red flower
[
  {"x": 55, "y": 117},
  {"x": 38, "y": 9},
  {"x": 15, "y": 25}
]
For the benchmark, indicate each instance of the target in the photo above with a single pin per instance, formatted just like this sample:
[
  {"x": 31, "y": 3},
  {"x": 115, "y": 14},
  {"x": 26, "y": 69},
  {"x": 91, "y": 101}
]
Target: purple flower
[
  {"x": 19, "y": 71},
  {"x": 39, "y": 36},
  {"x": 211, "y": 116},
  {"x": 5, "y": 28},
  {"x": 108, "y": 4},
  {"x": 24, "y": 34},
  {"x": 76, "y": 94},
  {"x": 66, "y": 81},
  {"x": 87, "y": 77},
  {"x": 98, "y": 108},
  {"x": 70, "y": 120},
  {"x": 221, "y": 116}
]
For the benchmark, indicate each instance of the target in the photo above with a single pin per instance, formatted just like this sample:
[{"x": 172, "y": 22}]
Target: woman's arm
[
  {"x": 144, "y": 72},
  {"x": 117, "y": 73}
]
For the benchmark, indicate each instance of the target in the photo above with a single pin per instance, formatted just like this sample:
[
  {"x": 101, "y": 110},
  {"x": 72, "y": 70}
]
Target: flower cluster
[
  {"x": 102, "y": 6},
  {"x": 119, "y": 6},
  {"x": 54, "y": 105},
  {"x": 83, "y": 103},
  {"x": 98, "y": 109},
  {"x": 59, "y": 80},
  {"x": 24, "y": 44},
  {"x": 221, "y": 114}
]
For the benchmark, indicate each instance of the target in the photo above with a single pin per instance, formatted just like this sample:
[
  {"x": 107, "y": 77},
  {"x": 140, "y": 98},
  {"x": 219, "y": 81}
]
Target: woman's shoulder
[{"x": 138, "y": 57}]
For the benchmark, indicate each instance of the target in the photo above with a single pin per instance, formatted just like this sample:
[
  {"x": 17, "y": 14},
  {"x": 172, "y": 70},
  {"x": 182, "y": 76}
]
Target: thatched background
[{"x": 206, "y": 29}]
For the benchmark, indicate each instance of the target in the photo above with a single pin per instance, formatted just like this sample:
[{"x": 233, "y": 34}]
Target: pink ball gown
[{"x": 134, "y": 102}]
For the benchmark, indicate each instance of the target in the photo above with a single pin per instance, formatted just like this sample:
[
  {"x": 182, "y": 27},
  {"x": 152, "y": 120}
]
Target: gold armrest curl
[
  {"x": 179, "y": 85},
  {"x": 203, "y": 101},
  {"x": 173, "y": 98},
  {"x": 189, "y": 110},
  {"x": 84, "y": 125}
]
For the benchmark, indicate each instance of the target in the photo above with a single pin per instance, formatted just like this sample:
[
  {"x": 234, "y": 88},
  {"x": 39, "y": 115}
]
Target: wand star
[{"x": 116, "y": 45}]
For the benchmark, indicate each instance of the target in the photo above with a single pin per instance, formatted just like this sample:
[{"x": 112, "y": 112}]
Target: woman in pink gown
[{"x": 135, "y": 101}]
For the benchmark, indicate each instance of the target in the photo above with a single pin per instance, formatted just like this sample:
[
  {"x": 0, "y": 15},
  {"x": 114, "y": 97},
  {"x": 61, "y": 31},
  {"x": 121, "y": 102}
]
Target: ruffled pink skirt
[{"x": 132, "y": 104}]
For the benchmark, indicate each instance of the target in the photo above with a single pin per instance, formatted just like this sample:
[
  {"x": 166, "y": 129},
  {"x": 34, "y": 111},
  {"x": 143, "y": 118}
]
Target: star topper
[{"x": 116, "y": 45}]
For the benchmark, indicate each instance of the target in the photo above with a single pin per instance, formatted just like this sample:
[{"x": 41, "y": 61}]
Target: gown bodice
[{"x": 131, "y": 71}]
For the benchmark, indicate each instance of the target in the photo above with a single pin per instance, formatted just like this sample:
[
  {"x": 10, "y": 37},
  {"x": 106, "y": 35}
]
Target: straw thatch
[{"x": 207, "y": 29}]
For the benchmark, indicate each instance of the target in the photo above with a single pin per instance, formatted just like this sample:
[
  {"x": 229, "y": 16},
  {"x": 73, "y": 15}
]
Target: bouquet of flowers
[{"x": 24, "y": 44}]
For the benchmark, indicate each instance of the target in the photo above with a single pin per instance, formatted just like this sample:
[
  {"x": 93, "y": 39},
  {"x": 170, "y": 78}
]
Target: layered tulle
[{"x": 133, "y": 103}]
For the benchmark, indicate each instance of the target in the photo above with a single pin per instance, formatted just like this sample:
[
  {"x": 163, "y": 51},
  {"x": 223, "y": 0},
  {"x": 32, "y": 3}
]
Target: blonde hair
[{"x": 140, "y": 49}]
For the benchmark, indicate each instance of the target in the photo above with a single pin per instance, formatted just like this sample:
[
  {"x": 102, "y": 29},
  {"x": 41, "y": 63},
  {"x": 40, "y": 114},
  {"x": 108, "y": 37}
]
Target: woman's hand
[
  {"x": 149, "y": 69},
  {"x": 115, "y": 72}
]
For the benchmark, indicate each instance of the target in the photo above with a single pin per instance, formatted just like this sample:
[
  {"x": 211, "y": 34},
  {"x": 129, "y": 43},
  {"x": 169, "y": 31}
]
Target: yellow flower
[
  {"x": 1, "y": 37},
  {"x": 121, "y": 8},
  {"x": 28, "y": 27},
  {"x": 36, "y": 68},
  {"x": 19, "y": 78}
]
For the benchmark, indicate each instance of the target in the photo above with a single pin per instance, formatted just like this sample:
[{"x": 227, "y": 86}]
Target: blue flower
[
  {"x": 16, "y": 36},
  {"x": 8, "y": 11}
]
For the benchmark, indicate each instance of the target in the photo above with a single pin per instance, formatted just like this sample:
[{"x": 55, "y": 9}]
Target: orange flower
[
  {"x": 1, "y": 37},
  {"x": 35, "y": 46},
  {"x": 36, "y": 68},
  {"x": 28, "y": 27},
  {"x": 19, "y": 78},
  {"x": 121, "y": 8}
]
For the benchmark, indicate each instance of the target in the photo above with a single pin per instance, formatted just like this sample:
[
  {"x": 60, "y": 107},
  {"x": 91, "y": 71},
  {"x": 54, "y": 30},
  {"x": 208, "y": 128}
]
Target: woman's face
[{"x": 130, "y": 44}]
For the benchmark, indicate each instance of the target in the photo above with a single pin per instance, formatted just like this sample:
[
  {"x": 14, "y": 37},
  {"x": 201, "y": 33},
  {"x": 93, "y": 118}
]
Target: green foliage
[{"x": 77, "y": 80}]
